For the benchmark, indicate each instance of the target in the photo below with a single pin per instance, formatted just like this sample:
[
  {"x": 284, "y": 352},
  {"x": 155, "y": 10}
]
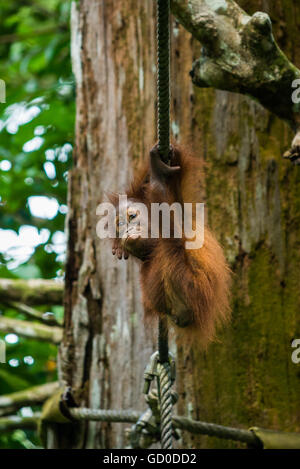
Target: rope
[
  {"x": 163, "y": 77},
  {"x": 163, "y": 131},
  {"x": 163, "y": 348},
  {"x": 182, "y": 423},
  {"x": 83, "y": 414},
  {"x": 164, "y": 380},
  {"x": 165, "y": 392},
  {"x": 212, "y": 429}
]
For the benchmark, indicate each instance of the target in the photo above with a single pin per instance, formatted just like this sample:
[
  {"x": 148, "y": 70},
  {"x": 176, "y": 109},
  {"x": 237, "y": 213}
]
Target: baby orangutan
[{"x": 190, "y": 285}]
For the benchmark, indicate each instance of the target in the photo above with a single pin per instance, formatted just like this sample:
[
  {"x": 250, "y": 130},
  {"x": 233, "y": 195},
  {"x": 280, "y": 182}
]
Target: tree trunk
[
  {"x": 106, "y": 348},
  {"x": 247, "y": 378}
]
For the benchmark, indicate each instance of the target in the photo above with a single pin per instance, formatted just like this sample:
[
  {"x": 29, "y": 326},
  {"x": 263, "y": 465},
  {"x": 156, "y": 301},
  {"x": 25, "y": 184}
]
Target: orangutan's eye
[{"x": 132, "y": 216}]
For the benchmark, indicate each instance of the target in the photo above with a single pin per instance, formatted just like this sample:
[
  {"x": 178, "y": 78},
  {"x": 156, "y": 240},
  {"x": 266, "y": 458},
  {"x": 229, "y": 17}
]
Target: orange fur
[{"x": 191, "y": 286}]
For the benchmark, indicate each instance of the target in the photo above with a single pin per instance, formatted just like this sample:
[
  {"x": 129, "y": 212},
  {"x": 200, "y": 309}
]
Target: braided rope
[
  {"x": 182, "y": 423},
  {"x": 212, "y": 429},
  {"x": 96, "y": 415},
  {"x": 163, "y": 131},
  {"x": 163, "y": 77},
  {"x": 165, "y": 388}
]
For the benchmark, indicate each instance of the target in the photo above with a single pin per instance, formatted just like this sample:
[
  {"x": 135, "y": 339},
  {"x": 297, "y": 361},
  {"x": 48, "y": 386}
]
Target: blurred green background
[{"x": 36, "y": 138}]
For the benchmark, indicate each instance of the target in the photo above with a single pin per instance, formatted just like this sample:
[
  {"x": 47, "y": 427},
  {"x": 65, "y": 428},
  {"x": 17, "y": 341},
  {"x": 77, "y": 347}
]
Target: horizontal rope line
[{"x": 183, "y": 423}]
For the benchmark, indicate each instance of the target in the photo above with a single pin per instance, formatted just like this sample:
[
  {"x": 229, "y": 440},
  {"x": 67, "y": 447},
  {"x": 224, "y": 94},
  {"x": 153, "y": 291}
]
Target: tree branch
[
  {"x": 31, "y": 292},
  {"x": 7, "y": 411},
  {"x": 240, "y": 55},
  {"x": 32, "y": 313},
  {"x": 31, "y": 330},
  {"x": 16, "y": 422},
  {"x": 28, "y": 397},
  {"x": 9, "y": 38}
]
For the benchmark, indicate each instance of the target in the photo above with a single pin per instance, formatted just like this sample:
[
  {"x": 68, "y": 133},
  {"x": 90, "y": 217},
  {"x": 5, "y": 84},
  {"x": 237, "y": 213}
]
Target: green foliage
[
  {"x": 36, "y": 138},
  {"x": 37, "y": 121}
]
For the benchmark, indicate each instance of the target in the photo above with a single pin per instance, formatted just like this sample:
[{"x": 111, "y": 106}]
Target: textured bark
[
  {"x": 252, "y": 199},
  {"x": 240, "y": 54},
  {"x": 105, "y": 348},
  {"x": 247, "y": 378}
]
